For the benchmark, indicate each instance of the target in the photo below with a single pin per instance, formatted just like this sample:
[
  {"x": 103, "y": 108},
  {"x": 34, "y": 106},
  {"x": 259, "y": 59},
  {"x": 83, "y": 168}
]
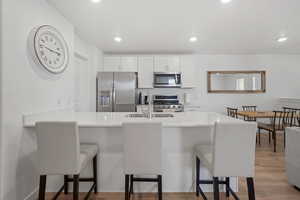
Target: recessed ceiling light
[
  {"x": 193, "y": 39},
  {"x": 96, "y": 1},
  {"x": 225, "y": 1},
  {"x": 282, "y": 39},
  {"x": 118, "y": 39}
]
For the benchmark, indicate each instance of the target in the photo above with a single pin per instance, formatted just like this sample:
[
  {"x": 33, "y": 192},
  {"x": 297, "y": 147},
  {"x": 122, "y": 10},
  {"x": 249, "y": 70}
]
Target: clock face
[{"x": 50, "y": 49}]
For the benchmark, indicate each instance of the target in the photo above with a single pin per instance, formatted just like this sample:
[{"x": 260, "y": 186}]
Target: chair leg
[
  {"x": 42, "y": 189},
  {"x": 284, "y": 138},
  {"x": 269, "y": 137},
  {"x": 275, "y": 140},
  {"x": 126, "y": 187},
  {"x": 197, "y": 175},
  {"x": 95, "y": 173},
  {"x": 259, "y": 136},
  {"x": 216, "y": 188},
  {"x": 159, "y": 187},
  {"x": 251, "y": 191},
  {"x": 227, "y": 186},
  {"x": 76, "y": 187},
  {"x": 66, "y": 184}
]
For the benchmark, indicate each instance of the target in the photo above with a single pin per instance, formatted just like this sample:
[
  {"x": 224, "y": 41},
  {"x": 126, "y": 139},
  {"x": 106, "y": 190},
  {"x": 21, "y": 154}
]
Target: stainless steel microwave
[{"x": 167, "y": 80}]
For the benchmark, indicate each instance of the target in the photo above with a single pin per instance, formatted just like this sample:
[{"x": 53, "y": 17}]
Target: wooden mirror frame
[{"x": 263, "y": 82}]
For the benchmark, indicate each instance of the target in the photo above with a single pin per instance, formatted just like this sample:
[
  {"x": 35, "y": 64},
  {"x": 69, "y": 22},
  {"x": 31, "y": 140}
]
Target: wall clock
[{"x": 49, "y": 49}]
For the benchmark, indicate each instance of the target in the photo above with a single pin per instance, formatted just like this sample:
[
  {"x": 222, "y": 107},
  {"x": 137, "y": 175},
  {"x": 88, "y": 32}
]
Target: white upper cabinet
[
  {"x": 145, "y": 71},
  {"x": 188, "y": 71},
  {"x": 120, "y": 63},
  {"x": 129, "y": 64},
  {"x": 167, "y": 63},
  {"x": 111, "y": 63}
]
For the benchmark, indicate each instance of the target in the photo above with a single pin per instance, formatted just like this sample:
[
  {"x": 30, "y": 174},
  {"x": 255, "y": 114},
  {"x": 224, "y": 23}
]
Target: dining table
[{"x": 260, "y": 114}]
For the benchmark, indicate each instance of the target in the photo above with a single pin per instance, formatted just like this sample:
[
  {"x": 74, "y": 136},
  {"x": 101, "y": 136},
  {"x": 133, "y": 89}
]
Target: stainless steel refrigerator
[{"x": 116, "y": 92}]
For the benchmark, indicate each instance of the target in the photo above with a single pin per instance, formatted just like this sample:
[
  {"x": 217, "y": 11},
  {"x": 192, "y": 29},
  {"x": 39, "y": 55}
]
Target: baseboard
[{"x": 33, "y": 195}]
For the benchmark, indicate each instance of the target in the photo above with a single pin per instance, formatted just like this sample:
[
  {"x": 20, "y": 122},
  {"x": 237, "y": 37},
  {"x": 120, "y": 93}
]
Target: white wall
[
  {"x": 93, "y": 56},
  {"x": 282, "y": 75},
  {"x": 28, "y": 89}
]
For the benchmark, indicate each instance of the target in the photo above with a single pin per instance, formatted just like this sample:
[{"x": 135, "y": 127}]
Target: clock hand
[{"x": 58, "y": 53}]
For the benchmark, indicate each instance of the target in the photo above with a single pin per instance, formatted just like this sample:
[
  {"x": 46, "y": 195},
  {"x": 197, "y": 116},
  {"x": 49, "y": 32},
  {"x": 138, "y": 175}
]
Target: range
[{"x": 163, "y": 103}]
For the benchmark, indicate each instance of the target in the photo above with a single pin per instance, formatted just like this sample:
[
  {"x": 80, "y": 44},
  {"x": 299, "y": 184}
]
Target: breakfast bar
[{"x": 181, "y": 132}]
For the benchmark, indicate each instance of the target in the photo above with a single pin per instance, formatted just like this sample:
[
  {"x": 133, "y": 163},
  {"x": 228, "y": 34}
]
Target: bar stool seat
[
  {"x": 60, "y": 153},
  {"x": 204, "y": 152},
  {"x": 231, "y": 154},
  {"x": 87, "y": 153}
]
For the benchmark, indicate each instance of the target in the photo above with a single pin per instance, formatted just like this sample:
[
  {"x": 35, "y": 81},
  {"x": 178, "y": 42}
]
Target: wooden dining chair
[
  {"x": 296, "y": 114},
  {"x": 249, "y": 109},
  {"x": 279, "y": 122},
  {"x": 232, "y": 112}
]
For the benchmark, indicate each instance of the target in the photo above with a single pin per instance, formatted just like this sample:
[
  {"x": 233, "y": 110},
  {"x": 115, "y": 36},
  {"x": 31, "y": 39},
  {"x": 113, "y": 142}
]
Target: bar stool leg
[
  {"x": 251, "y": 191},
  {"x": 42, "y": 189},
  {"x": 131, "y": 185},
  {"x": 216, "y": 188},
  {"x": 66, "y": 184},
  {"x": 197, "y": 175},
  {"x": 95, "y": 174},
  {"x": 76, "y": 187},
  {"x": 227, "y": 186},
  {"x": 159, "y": 187},
  {"x": 126, "y": 187}
]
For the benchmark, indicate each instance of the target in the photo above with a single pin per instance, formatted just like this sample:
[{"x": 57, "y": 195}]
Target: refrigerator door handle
[{"x": 114, "y": 99}]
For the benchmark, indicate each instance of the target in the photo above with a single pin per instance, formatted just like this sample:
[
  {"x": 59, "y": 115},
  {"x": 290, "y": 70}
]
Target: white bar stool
[
  {"x": 142, "y": 154},
  {"x": 232, "y": 154},
  {"x": 60, "y": 153}
]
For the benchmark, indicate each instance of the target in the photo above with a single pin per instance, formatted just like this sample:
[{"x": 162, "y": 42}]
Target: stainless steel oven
[{"x": 167, "y": 80}]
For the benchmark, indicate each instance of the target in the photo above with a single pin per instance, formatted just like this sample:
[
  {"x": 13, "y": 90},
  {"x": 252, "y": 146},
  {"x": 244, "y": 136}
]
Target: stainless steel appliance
[
  {"x": 167, "y": 80},
  {"x": 116, "y": 92},
  {"x": 163, "y": 103}
]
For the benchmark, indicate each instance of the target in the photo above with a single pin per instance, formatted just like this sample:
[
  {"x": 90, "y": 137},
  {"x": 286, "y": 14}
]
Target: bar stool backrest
[
  {"x": 58, "y": 148},
  {"x": 142, "y": 148},
  {"x": 234, "y": 149}
]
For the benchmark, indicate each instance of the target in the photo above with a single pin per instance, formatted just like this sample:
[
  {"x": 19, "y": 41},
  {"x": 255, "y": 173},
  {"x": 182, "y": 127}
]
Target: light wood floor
[{"x": 270, "y": 181}]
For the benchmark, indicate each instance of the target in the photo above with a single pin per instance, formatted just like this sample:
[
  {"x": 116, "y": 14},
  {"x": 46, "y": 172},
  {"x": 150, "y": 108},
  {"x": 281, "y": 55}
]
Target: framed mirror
[{"x": 236, "y": 81}]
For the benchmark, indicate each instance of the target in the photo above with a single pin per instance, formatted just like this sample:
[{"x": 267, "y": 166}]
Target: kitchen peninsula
[{"x": 180, "y": 134}]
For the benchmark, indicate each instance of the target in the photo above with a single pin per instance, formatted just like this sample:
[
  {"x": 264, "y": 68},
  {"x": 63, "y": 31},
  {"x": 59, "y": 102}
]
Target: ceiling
[{"x": 147, "y": 26}]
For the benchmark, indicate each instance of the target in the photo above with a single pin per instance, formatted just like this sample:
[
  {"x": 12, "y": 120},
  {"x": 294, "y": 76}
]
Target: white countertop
[{"x": 102, "y": 119}]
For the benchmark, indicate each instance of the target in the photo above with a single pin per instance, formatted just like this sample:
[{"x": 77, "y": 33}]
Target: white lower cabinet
[{"x": 145, "y": 71}]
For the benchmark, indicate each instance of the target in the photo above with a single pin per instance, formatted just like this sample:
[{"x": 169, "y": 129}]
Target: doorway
[{"x": 82, "y": 84}]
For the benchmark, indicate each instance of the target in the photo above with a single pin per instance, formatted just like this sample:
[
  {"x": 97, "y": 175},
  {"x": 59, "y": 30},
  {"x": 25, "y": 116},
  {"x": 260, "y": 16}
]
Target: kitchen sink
[
  {"x": 162, "y": 115},
  {"x": 140, "y": 115}
]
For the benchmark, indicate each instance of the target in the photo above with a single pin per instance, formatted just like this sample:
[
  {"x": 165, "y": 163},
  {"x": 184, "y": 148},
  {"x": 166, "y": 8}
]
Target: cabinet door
[
  {"x": 129, "y": 64},
  {"x": 188, "y": 71},
  {"x": 145, "y": 71},
  {"x": 111, "y": 63},
  {"x": 161, "y": 64},
  {"x": 167, "y": 64},
  {"x": 174, "y": 64}
]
